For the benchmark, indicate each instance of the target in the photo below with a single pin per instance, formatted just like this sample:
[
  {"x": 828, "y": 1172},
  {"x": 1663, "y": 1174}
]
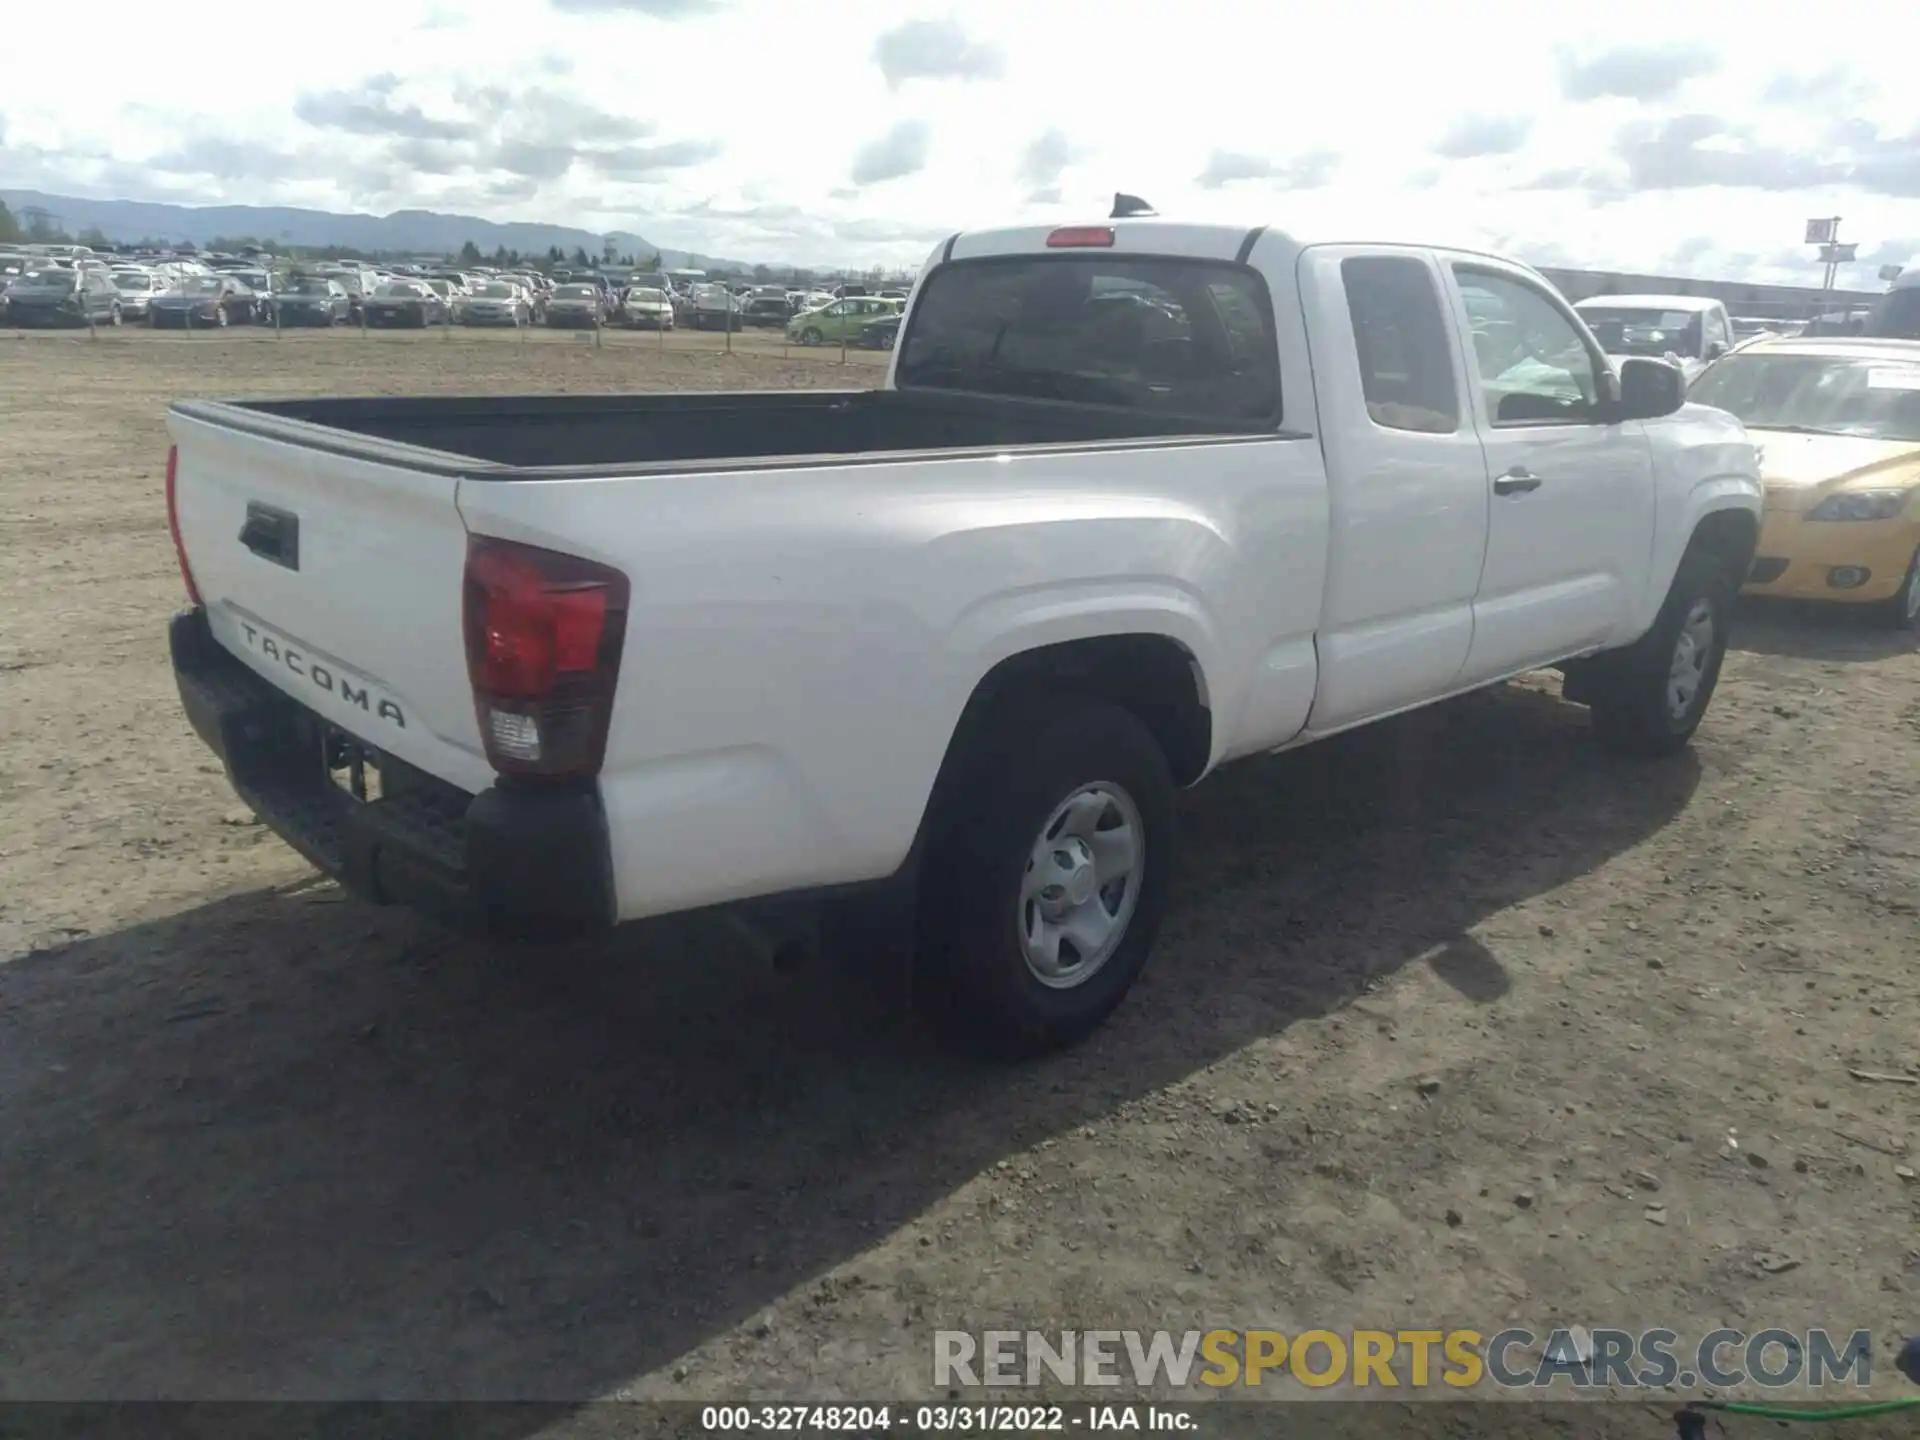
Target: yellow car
[{"x": 1838, "y": 426}]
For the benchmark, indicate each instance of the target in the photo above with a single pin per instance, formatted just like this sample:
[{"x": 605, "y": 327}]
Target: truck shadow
[
  {"x": 1806, "y": 631},
  {"x": 287, "y": 1146}
]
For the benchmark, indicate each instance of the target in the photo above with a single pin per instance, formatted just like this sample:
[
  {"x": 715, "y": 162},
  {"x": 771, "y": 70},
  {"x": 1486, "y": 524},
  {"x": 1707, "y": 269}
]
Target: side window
[
  {"x": 1406, "y": 360},
  {"x": 1533, "y": 367}
]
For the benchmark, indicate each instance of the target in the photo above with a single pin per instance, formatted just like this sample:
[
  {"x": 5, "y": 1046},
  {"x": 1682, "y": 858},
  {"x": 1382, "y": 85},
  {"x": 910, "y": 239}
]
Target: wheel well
[
  {"x": 1731, "y": 537},
  {"x": 1154, "y": 677}
]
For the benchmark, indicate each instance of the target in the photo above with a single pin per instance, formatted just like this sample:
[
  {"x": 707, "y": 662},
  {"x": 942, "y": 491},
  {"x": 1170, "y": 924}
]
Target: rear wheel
[
  {"x": 1648, "y": 699},
  {"x": 1902, "y": 610},
  {"x": 1043, "y": 890}
]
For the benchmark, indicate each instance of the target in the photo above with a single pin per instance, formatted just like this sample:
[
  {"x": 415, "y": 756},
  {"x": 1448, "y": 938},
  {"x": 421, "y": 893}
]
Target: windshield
[
  {"x": 1873, "y": 399},
  {"x": 1198, "y": 343},
  {"x": 647, "y": 297},
  {"x": 134, "y": 282},
  {"x": 308, "y": 285},
  {"x": 50, "y": 278},
  {"x": 1631, "y": 330},
  {"x": 494, "y": 291},
  {"x": 575, "y": 292},
  {"x": 202, "y": 285},
  {"x": 401, "y": 290}
]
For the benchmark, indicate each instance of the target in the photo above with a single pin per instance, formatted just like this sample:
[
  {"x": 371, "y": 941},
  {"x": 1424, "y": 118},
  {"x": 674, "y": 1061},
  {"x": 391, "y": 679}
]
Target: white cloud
[{"x": 736, "y": 126}]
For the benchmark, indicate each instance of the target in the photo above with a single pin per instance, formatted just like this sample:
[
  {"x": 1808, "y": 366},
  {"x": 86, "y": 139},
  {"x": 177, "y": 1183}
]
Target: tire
[
  {"x": 1644, "y": 702},
  {"x": 811, "y": 336},
  {"x": 1901, "y": 611},
  {"x": 1057, "y": 767}
]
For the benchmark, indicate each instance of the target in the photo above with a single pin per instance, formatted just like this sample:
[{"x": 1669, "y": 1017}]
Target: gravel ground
[{"x": 1454, "y": 1022}]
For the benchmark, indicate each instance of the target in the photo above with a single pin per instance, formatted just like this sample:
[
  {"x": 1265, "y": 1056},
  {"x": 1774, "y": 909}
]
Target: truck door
[
  {"x": 1572, "y": 498},
  {"x": 1408, "y": 492}
]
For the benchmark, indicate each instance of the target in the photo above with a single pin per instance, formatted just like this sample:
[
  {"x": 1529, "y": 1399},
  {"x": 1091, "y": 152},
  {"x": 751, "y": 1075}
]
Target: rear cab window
[
  {"x": 1185, "y": 338},
  {"x": 1401, "y": 340}
]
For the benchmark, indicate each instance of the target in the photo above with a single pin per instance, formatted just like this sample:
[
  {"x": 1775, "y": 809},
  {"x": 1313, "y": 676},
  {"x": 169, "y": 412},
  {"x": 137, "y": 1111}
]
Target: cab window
[{"x": 1400, "y": 336}]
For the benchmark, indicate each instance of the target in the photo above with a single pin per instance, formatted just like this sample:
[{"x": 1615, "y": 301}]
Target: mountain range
[{"x": 404, "y": 231}]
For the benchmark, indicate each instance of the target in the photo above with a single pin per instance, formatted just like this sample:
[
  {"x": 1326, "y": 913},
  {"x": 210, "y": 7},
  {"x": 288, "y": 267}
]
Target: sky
[{"x": 1688, "y": 139}]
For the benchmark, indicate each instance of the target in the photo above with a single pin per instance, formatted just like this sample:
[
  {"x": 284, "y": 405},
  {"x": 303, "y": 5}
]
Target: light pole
[{"x": 1826, "y": 234}]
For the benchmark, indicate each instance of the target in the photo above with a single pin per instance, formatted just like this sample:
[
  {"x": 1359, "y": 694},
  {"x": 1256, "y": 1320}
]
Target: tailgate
[{"x": 338, "y": 579}]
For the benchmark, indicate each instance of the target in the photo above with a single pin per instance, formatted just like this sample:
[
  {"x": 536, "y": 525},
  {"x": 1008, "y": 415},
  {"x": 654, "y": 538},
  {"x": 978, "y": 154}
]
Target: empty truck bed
[{"x": 473, "y": 435}]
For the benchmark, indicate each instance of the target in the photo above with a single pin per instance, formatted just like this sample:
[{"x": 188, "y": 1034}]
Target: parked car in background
[
  {"x": 50, "y": 294},
  {"x": 137, "y": 291},
  {"x": 496, "y": 302},
  {"x": 312, "y": 300},
  {"x": 261, "y": 285},
  {"x": 646, "y": 307},
  {"x": 880, "y": 334},
  {"x": 358, "y": 283},
  {"x": 1693, "y": 330},
  {"x": 12, "y": 266},
  {"x": 575, "y": 305},
  {"x": 403, "y": 302},
  {"x": 1896, "y": 314},
  {"x": 215, "y": 299},
  {"x": 1838, "y": 425},
  {"x": 451, "y": 292},
  {"x": 767, "y": 308},
  {"x": 714, "y": 307},
  {"x": 840, "y": 322}
]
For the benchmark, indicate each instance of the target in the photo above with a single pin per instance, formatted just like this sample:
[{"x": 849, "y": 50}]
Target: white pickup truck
[{"x": 1136, "y": 499}]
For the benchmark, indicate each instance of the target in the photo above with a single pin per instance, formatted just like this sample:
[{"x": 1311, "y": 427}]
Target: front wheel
[
  {"x": 1044, "y": 887},
  {"x": 811, "y": 336},
  {"x": 1648, "y": 699},
  {"x": 1901, "y": 611}
]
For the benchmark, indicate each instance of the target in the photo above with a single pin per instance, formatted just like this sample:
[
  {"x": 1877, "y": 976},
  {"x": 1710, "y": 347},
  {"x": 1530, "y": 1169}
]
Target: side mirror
[
  {"x": 1650, "y": 389},
  {"x": 1715, "y": 349}
]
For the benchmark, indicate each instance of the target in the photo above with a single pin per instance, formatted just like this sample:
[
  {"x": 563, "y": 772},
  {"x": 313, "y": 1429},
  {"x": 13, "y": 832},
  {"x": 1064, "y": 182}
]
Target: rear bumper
[{"x": 508, "y": 861}]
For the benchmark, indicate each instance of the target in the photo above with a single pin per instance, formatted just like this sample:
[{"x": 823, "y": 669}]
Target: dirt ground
[{"x": 1455, "y": 1022}]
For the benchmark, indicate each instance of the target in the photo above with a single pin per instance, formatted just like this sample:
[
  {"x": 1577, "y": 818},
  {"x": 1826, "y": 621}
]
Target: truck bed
[{"x": 565, "y": 434}]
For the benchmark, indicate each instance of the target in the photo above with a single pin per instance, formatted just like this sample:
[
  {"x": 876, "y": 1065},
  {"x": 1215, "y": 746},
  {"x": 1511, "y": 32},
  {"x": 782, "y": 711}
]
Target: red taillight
[
  {"x": 544, "y": 632},
  {"x": 1070, "y": 236},
  {"x": 173, "y": 524}
]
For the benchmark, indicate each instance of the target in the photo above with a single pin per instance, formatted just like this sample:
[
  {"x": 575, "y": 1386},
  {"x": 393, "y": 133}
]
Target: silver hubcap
[
  {"x": 1081, "y": 883},
  {"x": 1690, "y": 655}
]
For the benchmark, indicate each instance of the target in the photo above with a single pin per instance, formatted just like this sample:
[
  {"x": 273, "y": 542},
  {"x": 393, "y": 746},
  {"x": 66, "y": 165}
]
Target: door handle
[{"x": 1517, "y": 481}]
